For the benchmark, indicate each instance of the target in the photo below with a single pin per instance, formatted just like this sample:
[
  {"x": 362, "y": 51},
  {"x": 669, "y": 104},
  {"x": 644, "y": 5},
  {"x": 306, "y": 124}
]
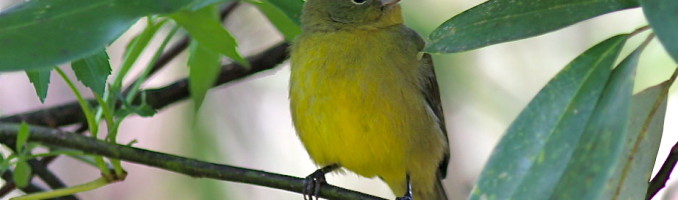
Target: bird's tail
[
  {"x": 439, "y": 189},
  {"x": 438, "y": 192}
]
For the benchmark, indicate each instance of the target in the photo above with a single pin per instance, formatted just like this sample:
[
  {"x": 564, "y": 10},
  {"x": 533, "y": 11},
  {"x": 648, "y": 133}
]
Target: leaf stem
[
  {"x": 93, "y": 127},
  {"x": 65, "y": 191}
]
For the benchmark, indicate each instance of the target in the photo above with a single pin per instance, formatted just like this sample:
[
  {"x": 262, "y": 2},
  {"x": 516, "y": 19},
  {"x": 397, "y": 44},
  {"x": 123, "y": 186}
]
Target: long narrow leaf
[
  {"x": 645, "y": 132},
  {"x": 590, "y": 174},
  {"x": 66, "y": 30},
  {"x": 204, "y": 26},
  {"x": 663, "y": 17},
  {"x": 531, "y": 156},
  {"x": 286, "y": 25},
  {"x": 204, "y": 69},
  {"x": 497, "y": 21},
  {"x": 292, "y": 8}
]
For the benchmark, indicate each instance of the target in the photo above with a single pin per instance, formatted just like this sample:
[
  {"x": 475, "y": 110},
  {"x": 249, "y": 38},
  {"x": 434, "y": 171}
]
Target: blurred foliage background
[{"x": 248, "y": 124}]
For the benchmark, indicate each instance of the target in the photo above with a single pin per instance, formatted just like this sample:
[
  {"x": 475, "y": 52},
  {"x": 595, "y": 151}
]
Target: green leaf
[
  {"x": 204, "y": 69},
  {"x": 22, "y": 137},
  {"x": 22, "y": 173},
  {"x": 204, "y": 26},
  {"x": 532, "y": 155},
  {"x": 198, "y": 4},
  {"x": 286, "y": 25},
  {"x": 497, "y": 21},
  {"x": 645, "y": 132},
  {"x": 590, "y": 174},
  {"x": 291, "y": 8},
  {"x": 4, "y": 163},
  {"x": 662, "y": 15},
  {"x": 41, "y": 34},
  {"x": 93, "y": 71},
  {"x": 40, "y": 79}
]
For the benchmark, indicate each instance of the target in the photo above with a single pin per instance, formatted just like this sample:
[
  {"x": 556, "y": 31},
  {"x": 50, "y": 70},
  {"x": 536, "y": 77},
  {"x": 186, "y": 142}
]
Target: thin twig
[
  {"x": 71, "y": 113},
  {"x": 187, "y": 166}
]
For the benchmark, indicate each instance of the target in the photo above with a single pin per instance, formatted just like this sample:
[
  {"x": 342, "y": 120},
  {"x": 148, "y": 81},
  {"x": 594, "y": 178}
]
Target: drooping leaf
[
  {"x": 645, "y": 132},
  {"x": 663, "y": 15},
  {"x": 286, "y": 25},
  {"x": 204, "y": 26},
  {"x": 531, "y": 156},
  {"x": 40, "y": 79},
  {"x": 590, "y": 174},
  {"x": 42, "y": 34},
  {"x": 497, "y": 21},
  {"x": 292, "y": 8},
  {"x": 93, "y": 71},
  {"x": 204, "y": 68},
  {"x": 22, "y": 173}
]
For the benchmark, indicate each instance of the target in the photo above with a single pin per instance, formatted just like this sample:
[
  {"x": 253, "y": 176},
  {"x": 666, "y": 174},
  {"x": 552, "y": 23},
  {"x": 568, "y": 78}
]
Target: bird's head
[{"x": 350, "y": 14}]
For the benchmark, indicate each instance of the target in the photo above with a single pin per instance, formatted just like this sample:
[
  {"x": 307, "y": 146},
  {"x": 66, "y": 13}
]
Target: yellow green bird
[{"x": 364, "y": 98}]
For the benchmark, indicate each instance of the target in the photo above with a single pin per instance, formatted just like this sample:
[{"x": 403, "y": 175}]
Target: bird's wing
[{"x": 432, "y": 94}]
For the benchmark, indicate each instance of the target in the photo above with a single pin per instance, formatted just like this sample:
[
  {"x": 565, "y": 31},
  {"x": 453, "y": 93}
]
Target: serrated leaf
[
  {"x": 497, "y": 21},
  {"x": 590, "y": 174},
  {"x": 22, "y": 173},
  {"x": 291, "y": 8},
  {"x": 42, "y": 34},
  {"x": 286, "y": 25},
  {"x": 22, "y": 137},
  {"x": 40, "y": 79},
  {"x": 204, "y": 69},
  {"x": 203, "y": 25},
  {"x": 646, "y": 125},
  {"x": 662, "y": 15},
  {"x": 531, "y": 157},
  {"x": 93, "y": 71}
]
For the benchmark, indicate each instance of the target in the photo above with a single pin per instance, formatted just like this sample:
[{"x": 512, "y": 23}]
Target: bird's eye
[{"x": 359, "y": 2}]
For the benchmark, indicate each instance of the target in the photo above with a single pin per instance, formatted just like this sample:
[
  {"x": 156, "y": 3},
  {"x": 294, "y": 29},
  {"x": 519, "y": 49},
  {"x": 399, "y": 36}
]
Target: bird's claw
[
  {"x": 408, "y": 193},
  {"x": 312, "y": 184}
]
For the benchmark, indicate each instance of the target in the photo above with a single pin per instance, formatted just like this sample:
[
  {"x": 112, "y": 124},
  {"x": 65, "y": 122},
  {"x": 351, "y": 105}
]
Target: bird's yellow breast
[{"x": 356, "y": 101}]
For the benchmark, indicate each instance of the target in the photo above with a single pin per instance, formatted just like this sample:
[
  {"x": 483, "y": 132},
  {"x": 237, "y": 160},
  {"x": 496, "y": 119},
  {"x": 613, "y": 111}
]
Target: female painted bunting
[{"x": 364, "y": 98}]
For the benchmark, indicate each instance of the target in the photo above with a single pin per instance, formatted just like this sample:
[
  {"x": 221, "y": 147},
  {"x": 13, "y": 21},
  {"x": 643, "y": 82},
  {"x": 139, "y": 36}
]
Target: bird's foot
[
  {"x": 316, "y": 179},
  {"x": 407, "y": 196},
  {"x": 408, "y": 193}
]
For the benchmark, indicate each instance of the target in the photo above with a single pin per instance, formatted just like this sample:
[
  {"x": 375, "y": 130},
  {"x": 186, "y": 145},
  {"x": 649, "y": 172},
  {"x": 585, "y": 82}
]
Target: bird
[{"x": 363, "y": 98}]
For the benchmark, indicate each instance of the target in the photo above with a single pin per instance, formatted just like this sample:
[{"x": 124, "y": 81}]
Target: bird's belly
[{"x": 363, "y": 125}]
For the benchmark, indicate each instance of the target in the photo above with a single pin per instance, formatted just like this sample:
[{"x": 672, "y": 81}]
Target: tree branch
[
  {"x": 188, "y": 166},
  {"x": 71, "y": 113},
  {"x": 664, "y": 173}
]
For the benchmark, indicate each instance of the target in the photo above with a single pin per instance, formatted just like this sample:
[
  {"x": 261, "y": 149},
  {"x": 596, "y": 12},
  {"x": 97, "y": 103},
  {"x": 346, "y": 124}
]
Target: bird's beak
[{"x": 387, "y": 3}]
